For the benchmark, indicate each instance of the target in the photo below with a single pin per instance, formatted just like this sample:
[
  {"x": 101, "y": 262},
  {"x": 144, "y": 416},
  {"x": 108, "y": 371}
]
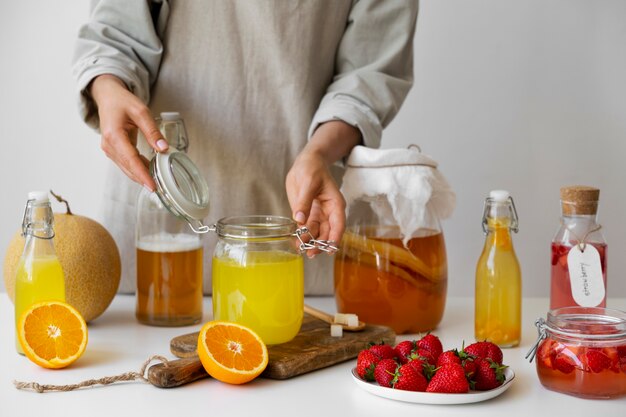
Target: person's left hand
[{"x": 314, "y": 196}]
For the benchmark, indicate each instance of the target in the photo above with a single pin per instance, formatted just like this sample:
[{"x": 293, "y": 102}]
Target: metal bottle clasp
[
  {"x": 541, "y": 330},
  {"x": 327, "y": 246}
]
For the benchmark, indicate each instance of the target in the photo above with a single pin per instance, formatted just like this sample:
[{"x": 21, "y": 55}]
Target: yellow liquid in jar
[
  {"x": 37, "y": 279},
  {"x": 263, "y": 291},
  {"x": 498, "y": 288}
]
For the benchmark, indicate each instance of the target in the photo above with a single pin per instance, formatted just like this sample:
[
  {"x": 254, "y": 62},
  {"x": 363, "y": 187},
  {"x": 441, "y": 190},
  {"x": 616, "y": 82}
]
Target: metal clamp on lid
[
  {"x": 541, "y": 329},
  {"x": 323, "y": 245}
]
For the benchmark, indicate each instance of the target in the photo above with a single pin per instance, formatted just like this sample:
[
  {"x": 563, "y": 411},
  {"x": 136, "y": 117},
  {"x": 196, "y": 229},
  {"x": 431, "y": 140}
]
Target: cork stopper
[{"x": 579, "y": 199}]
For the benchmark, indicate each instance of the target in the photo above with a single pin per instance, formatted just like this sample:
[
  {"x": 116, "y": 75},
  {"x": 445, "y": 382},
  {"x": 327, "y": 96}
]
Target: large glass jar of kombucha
[
  {"x": 581, "y": 351},
  {"x": 387, "y": 278}
]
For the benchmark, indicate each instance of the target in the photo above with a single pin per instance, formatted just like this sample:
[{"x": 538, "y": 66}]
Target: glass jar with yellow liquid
[
  {"x": 258, "y": 274},
  {"x": 39, "y": 274},
  {"x": 498, "y": 297}
]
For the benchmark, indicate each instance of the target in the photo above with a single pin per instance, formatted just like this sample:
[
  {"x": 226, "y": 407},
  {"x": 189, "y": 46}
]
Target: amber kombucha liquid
[
  {"x": 169, "y": 281},
  {"x": 380, "y": 280}
]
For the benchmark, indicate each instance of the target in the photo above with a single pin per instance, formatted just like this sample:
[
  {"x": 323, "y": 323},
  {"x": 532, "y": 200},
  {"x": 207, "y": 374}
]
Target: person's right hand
[{"x": 121, "y": 114}]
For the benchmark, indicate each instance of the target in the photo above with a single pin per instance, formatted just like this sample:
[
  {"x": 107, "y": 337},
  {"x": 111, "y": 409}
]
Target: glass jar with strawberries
[{"x": 581, "y": 351}]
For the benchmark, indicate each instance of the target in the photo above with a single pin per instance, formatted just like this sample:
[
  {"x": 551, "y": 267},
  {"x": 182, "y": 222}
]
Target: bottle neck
[
  {"x": 38, "y": 220},
  {"x": 498, "y": 215}
]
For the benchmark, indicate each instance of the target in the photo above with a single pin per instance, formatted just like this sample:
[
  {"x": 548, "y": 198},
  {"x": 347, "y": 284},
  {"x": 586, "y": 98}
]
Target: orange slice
[
  {"x": 53, "y": 334},
  {"x": 231, "y": 352}
]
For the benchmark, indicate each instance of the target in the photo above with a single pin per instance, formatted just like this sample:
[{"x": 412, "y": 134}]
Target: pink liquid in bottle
[{"x": 561, "y": 289}]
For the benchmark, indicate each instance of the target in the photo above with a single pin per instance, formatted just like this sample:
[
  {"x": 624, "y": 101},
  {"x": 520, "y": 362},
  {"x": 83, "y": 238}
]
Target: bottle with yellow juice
[
  {"x": 498, "y": 296},
  {"x": 39, "y": 275}
]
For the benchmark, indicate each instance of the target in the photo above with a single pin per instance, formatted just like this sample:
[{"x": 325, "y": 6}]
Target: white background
[{"x": 524, "y": 95}]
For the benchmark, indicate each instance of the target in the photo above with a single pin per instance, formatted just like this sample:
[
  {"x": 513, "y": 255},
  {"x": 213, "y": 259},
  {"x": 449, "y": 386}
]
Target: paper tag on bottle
[{"x": 585, "y": 274}]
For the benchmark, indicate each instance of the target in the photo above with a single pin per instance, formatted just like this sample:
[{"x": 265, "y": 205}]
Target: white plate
[{"x": 434, "y": 397}]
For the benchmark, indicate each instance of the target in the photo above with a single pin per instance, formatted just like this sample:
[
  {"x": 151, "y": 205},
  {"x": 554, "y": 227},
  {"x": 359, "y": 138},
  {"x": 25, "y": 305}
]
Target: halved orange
[
  {"x": 231, "y": 352},
  {"x": 53, "y": 334}
]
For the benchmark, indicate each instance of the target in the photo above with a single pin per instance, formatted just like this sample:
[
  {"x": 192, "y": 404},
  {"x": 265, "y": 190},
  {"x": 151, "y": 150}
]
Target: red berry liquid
[{"x": 560, "y": 288}]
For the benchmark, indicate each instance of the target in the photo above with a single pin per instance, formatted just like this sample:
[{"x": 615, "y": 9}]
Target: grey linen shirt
[{"x": 252, "y": 80}]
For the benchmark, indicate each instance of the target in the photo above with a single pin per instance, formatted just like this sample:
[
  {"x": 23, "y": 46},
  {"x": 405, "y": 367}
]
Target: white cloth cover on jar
[{"x": 415, "y": 193}]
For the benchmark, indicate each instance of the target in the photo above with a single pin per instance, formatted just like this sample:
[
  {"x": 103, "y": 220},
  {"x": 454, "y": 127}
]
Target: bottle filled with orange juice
[
  {"x": 39, "y": 274},
  {"x": 498, "y": 294}
]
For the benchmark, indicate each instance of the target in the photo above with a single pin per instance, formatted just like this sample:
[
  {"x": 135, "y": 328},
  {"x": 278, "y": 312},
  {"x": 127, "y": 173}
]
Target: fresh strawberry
[
  {"x": 450, "y": 378},
  {"x": 418, "y": 364},
  {"x": 485, "y": 350},
  {"x": 409, "y": 379},
  {"x": 422, "y": 366},
  {"x": 595, "y": 360},
  {"x": 564, "y": 363},
  {"x": 365, "y": 364},
  {"x": 449, "y": 356},
  {"x": 469, "y": 366},
  {"x": 383, "y": 351},
  {"x": 431, "y": 343},
  {"x": 404, "y": 350},
  {"x": 385, "y": 371},
  {"x": 425, "y": 354},
  {"x": 489, "y": 374}
]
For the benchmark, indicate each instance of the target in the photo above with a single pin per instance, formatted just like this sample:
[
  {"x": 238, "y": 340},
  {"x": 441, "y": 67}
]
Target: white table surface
[{"x": 117, "y": 344}]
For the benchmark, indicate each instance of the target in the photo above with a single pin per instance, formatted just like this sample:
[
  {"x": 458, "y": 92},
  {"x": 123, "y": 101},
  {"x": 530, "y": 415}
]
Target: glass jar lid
[
  {"x": 259, "y": 227},
  {"x": 181, "y": 187},
  {"x": 584, "y": 325}
]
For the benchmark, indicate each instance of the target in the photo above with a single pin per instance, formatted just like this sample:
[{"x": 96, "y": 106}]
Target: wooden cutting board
[{"x": 313, "y": 348}]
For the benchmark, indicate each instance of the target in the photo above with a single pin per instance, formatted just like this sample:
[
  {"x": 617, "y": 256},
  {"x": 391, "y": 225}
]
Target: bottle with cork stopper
[{"x": 578, "y": 270}]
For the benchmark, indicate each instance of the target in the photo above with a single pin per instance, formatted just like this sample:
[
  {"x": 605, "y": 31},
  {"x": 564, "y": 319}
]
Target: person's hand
[
  {"x": 121, "y": 114},
  {"x": 312, "y": 192}
]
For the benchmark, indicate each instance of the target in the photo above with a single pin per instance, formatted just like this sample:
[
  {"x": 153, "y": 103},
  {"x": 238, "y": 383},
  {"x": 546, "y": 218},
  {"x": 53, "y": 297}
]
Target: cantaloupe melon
[{"x": 89, "y": 258}]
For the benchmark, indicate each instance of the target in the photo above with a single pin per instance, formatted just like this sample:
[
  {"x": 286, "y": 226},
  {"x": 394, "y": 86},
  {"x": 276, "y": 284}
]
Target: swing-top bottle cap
[
  {"x": 38, "y": 196},
  {"x": 499, "y": 196},
  {"x": 579, "y": 199},
  {"x": 170, "y": 116}
]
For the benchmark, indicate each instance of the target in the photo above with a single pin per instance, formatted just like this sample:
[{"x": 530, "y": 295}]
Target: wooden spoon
[{"x": 330, "y": 319}]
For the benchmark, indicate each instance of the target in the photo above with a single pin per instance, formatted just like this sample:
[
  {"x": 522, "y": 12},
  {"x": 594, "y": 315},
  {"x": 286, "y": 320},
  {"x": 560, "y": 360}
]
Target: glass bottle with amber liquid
[
  {"x": 169, "y": 247},
  {"x": 498, "y": 296},
  {"x": 578, "y": 267}
]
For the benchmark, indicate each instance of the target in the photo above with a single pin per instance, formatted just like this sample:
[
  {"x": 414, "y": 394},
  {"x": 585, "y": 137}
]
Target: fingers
[
  {"x": 117, "y": 146},
  {"x": 144, "y": 121},
  {"x": 302, "y": 206}
]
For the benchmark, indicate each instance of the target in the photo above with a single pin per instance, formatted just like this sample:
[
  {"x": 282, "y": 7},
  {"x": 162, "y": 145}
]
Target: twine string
[
  {"x": 582, "y": 243},
  {"x": 107, "y": 380}
]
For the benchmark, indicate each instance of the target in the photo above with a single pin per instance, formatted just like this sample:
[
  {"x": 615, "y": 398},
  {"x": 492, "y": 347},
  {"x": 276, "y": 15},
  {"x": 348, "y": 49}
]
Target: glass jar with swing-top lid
[
  {"x": 169, "y": 247},
  {"x": 581, "y": 351},
  {"x": 257, "y": 267},
  {"x": 258, "y": 275}
]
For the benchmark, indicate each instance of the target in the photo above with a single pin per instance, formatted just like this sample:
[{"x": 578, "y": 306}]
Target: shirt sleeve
[
  {"x": 122, "y": 38},
  {"x": 374, "y": 68}
]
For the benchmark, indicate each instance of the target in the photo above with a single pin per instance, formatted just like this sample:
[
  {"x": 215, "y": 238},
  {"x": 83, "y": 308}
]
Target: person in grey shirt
[{"x": 274, "y": 94}]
